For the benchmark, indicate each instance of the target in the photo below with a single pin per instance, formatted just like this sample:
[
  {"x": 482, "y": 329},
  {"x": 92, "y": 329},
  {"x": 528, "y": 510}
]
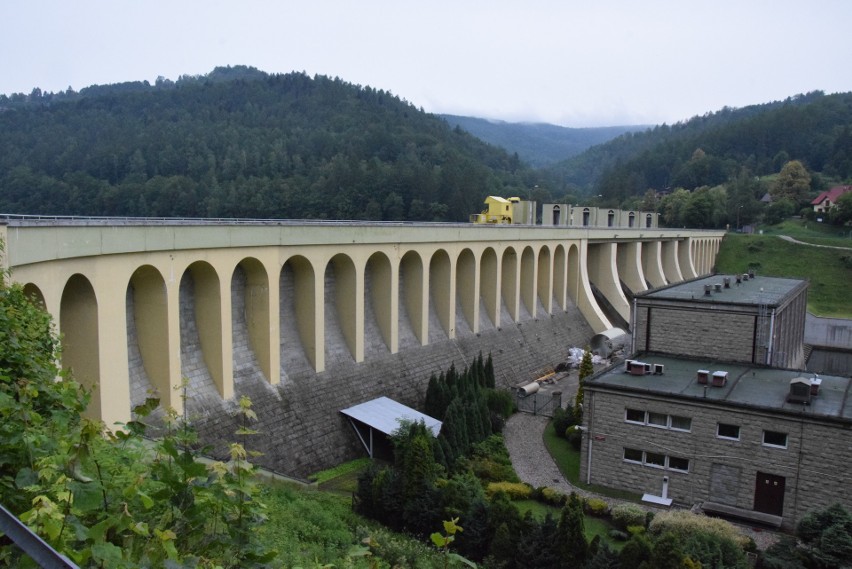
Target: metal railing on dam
[{"x": 143, "y": 303}]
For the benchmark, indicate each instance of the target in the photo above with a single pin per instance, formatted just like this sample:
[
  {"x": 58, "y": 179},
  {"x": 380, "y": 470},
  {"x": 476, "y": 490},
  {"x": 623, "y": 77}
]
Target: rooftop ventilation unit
[
  {"x": 816, "y": 381},
  {"x": 751, "y": 273},
  {"x": 720, "y": 378},
  {"x": 745, "y": 277},
  {"x": 800, "y": 391},
  {"x": 718, "y": 287},
  {"x": 739, "y": 279},
  {"x": 637, "y": 368},
  {"x": 707, "y": 289},
  {"x": 727, "y": 281},
  {"x": 702, "y": 376},
  {"x": 659, "y": 369}
]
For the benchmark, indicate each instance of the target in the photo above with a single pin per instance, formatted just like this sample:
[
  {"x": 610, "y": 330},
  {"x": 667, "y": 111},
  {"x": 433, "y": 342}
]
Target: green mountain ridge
[
  {"x": 241, "y": 143},
  {"x": 238, "y": 142},
  {"x": 814, "y": 128}
]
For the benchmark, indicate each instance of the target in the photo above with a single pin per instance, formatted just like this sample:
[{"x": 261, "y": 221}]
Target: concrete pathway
[{"x": 792, "y": 240}]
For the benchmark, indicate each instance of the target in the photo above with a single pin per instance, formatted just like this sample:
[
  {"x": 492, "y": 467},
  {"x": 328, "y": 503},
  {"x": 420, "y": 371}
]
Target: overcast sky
[{"x": 574, "y": 63}]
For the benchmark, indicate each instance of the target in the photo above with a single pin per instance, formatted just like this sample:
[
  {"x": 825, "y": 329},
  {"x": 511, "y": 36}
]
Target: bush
[
  {"x": 500, "y": 402},
  {"x": 635, "y": 530},
  {"x": 625, "y": 515},
  {"x": 562, "y": 419},
  {"x": 596, "y": 507},
  {"x": 514, "y": 490},
  {"x": 490, "y": 461},
  {"x": 553, "y": 497},
  {"x": 575, "y": 437},
  {"x": 711, "y": 541},
  {"x": 684, "y": 523}
]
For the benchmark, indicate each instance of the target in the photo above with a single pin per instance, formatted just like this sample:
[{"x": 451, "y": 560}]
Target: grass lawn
[
  {"x": 343, "y": 478},
  {"x": 828, "y": 270},
  {"x": 813, "y": 232},
  {"x": 593, "y": 526},
  {"x": 568, "y": 461}
]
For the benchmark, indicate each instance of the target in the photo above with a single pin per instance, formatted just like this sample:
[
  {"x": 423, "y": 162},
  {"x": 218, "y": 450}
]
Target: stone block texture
[
  {"x": 814, "y": 463},
  {"x": 301, "y": 428}
]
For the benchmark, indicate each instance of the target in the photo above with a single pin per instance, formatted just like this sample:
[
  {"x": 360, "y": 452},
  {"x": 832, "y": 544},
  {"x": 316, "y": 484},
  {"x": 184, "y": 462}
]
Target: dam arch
[
  {"x": 510, "y": 281},
  {"x": 467, "y": 291},
  {"x": 343, "y": 315},
  {"x": 528, "y": 284},
  {"x": 299, "y": 345},
  {"x": 544, "y": 280},
  {"x": 489, "y": 287},
  {"x": 148, "y": 325},
  {"x": 441, "y": 301},
  {"x": 412, "y": 302},
  {"x": 379, "y": 306},
  {"x": 80, "y": 330}
]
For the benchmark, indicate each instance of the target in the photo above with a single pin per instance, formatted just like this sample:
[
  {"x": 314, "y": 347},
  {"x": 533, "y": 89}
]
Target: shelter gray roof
[
  {"x": 770, "y": 291},
  {"x": 386, "y": 415},
  {"x": 747, "y": 386}
]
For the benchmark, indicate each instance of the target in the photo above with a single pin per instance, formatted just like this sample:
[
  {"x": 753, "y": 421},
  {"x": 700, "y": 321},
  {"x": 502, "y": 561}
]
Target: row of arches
[{"x": 139, "y": 322}]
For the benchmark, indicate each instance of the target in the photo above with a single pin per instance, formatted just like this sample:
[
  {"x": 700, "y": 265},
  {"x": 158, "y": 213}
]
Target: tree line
[{"x": 241, "y": 143}]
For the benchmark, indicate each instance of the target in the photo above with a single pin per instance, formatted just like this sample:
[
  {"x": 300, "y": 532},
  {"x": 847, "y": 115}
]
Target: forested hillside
[
  {"x": 538, "y": 144},
  {"x": 240, "y": 143},
  {"x": 815, "y": 129}
]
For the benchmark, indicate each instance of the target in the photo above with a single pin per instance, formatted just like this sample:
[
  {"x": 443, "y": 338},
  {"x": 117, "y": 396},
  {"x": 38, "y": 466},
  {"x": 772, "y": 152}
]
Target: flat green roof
[
  {"x": 757, "y": 290},
  {"x": 747, "y": 386}
]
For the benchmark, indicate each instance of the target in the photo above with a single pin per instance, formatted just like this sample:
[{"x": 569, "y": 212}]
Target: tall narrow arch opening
[
  {"x": 78, "y": 317},
  {"x": 297, "y": 316},
  {"x": 148, "y": 346}
]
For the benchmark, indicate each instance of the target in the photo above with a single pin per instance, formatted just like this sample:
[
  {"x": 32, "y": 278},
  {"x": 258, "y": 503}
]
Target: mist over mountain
[{"x": 538, "y": 144}]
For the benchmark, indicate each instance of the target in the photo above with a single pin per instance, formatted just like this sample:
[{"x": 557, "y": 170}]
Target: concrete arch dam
[{"x": 309, "y": 318}]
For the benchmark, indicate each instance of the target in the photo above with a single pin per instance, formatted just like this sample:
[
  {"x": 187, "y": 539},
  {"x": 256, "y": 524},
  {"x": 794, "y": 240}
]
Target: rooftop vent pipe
[{"x": 707, "y": 289}]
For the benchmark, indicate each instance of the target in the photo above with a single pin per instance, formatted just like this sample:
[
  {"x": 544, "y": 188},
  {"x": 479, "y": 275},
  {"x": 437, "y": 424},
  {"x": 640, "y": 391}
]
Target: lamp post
[{"x": 738, "y": 218}]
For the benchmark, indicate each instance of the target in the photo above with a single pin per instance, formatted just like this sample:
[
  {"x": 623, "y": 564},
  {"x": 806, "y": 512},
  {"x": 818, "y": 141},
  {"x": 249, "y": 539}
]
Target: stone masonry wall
[
  {"x": 301, "y": 428},
  {"x": 707, "y": 334},
  {"x": 814, "y": 463}
]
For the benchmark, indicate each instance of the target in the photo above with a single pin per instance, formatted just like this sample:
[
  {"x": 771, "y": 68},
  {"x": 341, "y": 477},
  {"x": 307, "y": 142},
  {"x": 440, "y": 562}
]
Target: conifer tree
[
  {"x": 572, "y": 537},
  {"x": 586, "y": 370},
  {"x": 489, "y": 373}
]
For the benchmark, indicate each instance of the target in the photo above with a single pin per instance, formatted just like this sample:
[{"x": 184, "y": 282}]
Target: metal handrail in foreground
[{"x": 31, "y": 544}]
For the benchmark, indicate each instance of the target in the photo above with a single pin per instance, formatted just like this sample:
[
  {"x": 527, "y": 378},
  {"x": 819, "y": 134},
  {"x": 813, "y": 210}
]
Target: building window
[
  {"x": 634, "y": 416},
  {"x": 658, "y": 419},
  {"x": 633, "y": 455},
  {"x": 725, "y": 431},
  {"x": 677, "y": 463},
  {"x": 775, "y": 439},
  {"x": 656, "y": 460},
  {"x": 680, "y": 423}
]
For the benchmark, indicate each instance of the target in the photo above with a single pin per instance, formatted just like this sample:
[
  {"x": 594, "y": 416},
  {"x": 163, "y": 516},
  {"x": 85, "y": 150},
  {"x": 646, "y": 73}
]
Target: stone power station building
[
  {"x": 698, "y": 418},
  {"x": 735, "y": 318}
]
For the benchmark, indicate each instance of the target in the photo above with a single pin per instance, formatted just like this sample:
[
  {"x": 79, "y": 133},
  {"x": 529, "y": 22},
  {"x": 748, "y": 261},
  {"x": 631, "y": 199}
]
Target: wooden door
[{"x": 769, "y": 494}]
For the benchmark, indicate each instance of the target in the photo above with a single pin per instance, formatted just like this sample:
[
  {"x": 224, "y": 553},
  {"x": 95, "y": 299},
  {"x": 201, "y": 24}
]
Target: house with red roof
[{"x": 828, "y": 199}]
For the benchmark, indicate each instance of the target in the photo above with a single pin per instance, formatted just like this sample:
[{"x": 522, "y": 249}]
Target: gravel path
[{"x": 523, "y": 437}]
